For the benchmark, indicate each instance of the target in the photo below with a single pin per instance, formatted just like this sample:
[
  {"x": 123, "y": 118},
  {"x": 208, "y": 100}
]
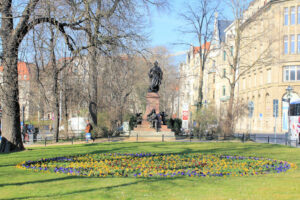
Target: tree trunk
[
  {"x": 200, "y": 97},
  {"x": 66, "y": 125},
  {"x": 93, "y": 84},
  {"x": 55, "y": 104},
  {"x": 11, "y": 129},
  {"x": 230, "y": 113},
  {"x": 55, "y": 72},
  {"x": 11, "y": 132}
]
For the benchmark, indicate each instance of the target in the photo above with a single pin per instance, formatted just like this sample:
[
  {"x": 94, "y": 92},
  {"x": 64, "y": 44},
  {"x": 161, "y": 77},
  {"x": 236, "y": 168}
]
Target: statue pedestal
[
  {"x": 152, "y": 103},
  {"x": 144, "y": 131}
]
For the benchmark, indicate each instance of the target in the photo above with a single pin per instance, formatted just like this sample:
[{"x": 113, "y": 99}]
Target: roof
[
  {"x": 223, "y": 24},
  {"x": 204, "y": 46},
  {"x": 23, "y": 71}
]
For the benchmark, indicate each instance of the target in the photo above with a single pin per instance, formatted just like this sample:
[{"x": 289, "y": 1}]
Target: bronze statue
[
  {"x": 152, "y": 118},
  {"x": 163, "y": 117},
  {"x": 156, "y": 76},
  {"x": 139, "y": 118}
]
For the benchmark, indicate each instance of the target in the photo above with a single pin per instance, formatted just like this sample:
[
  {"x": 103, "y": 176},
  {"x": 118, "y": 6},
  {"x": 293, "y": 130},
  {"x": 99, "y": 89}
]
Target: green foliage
[
  {"x": 40, "y": 123},
  {"x": 126, "y": 117},
  {"x": 206, "y": 122},
  {"x": 132, "y": 122},
  {"x": 103, "y": 119},
  {"x": 100, "y": 132},
  {"x": 175, "y": 125}
]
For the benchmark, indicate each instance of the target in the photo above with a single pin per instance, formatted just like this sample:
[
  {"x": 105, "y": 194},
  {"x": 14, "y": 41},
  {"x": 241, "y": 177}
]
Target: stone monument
[
  {"x": 146, "y": 130},
  {"x": 152, "y": 97}
]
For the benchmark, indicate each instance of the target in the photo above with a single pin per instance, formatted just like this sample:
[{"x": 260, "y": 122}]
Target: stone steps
[{"x": 152, "y": 134}]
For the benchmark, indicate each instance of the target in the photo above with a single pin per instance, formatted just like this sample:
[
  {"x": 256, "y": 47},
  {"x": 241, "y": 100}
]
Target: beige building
[
  {"x": 215, "y": 87},
  {"x": 279, "y": 21},
  {"x": 268, "y": 64}
]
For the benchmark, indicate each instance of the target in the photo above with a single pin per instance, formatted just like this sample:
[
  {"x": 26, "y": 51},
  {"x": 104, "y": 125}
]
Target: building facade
[{"x": 268, "y": 64}]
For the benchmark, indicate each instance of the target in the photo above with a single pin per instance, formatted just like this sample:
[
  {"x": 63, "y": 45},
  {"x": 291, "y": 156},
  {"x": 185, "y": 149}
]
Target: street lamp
[
  {"x": 289, "y": 90},
  {"x": 23, "y": 115}
]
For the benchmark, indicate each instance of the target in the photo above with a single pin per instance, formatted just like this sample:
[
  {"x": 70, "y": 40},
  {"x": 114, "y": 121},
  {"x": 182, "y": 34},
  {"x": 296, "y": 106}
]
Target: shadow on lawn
[
  {"x": 240, "y": 148},
  {"x": 164, "y": 148},
  {"x": 38, "y": 181},
  {"x": 135, "y": 182}
]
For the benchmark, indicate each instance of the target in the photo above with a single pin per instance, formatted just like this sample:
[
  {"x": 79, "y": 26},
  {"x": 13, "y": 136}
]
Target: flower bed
[{"x": 158, "y": 165}]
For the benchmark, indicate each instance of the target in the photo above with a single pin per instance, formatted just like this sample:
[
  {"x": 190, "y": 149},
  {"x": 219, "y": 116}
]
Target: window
[
  {"x": 298, "y": 73},
  {"x": 286, "y": 16},
  {"x": 224, "y": 73},
  {"x": 224, "y": 55},
  {"x": 261, "y": 78},
  {"x": 298, "y": 43},
  {"x": 295, "y": 109},
  {"x": 269, "y": 72},
  {"x": 286, "y": 50},
  {"x": 298, "y": 14},
  {"x": 25, "y": 77},
  {"x": 293, "y": 15},
  {"x": 292, "y": 44},
  {"x": 214, "y": 79},
  {"x": 286, "y": 74},
  {"x": 291, "y": 73},
  {"x": 231, "y": 50},
  {"x": 224, "y": 90},
  {"x": 254, "y": 80}
]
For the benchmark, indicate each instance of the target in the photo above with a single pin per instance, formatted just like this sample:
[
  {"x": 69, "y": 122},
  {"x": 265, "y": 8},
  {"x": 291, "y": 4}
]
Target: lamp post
[
  {"x": 23, "y": 115},
  {"x": 289, "y": 90}
]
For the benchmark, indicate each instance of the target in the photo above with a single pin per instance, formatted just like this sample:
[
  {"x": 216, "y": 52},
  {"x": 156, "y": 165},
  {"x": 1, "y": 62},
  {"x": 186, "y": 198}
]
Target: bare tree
[
  {"x": 247, "y": 48},
  {"x": 102, "y": 21},
  {"x": 199, "y": 18},
  {"x": 12, "y": 34},
  {"x": 110, "y": 24}
]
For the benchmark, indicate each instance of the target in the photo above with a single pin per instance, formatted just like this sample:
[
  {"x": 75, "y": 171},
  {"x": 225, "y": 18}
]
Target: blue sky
[{"x": 164, "y": 30}]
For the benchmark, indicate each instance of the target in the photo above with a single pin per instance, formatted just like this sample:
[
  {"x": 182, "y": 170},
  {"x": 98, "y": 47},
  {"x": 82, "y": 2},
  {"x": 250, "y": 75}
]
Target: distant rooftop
[{"x": 223, "y": 24}]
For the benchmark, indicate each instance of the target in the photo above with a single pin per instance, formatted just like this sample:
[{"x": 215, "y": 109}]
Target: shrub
[
  {"x": 206, "y": 123},
  {"x": 175, "y": 125},
  {"x": 132, "y": 122}
]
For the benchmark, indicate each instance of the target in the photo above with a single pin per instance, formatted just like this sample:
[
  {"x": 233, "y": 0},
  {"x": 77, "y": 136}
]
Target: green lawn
[{"x": 24, "y": 184}]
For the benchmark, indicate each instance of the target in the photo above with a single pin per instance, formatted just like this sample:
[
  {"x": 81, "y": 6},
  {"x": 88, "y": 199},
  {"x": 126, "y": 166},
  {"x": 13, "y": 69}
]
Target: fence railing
[
  {"x": 167, "y": 138},
  {"x": 269, "y": 139}
]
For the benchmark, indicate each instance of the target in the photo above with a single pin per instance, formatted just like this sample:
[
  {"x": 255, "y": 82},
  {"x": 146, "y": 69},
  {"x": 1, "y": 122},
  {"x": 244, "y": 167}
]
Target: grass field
[{"x": 24, "y": 184}]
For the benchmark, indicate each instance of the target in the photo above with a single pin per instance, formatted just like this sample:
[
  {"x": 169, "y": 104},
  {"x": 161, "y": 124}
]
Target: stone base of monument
[
  {"x": 144, "y": 132},
  {"x": 152, "y": 103}
]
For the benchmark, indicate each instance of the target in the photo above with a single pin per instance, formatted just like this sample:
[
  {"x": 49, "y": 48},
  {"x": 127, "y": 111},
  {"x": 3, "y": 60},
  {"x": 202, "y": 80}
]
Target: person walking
[{"x": 88, "y": 130}]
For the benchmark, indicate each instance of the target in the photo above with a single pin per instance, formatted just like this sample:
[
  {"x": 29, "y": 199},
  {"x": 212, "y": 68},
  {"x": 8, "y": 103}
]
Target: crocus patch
[{"x": 157, "y": 165}]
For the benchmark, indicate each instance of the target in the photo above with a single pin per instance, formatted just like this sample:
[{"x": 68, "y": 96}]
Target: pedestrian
[
  {"x": 26, "y": 134},
  {"x": 88, "y": 130}
]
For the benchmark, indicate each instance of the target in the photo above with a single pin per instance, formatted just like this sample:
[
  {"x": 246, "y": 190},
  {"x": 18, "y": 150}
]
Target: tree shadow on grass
[
  {"x": 38, "y": 181},
  {"x": 135, "y": 182},
  {"x": 240, "y": 148}
]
